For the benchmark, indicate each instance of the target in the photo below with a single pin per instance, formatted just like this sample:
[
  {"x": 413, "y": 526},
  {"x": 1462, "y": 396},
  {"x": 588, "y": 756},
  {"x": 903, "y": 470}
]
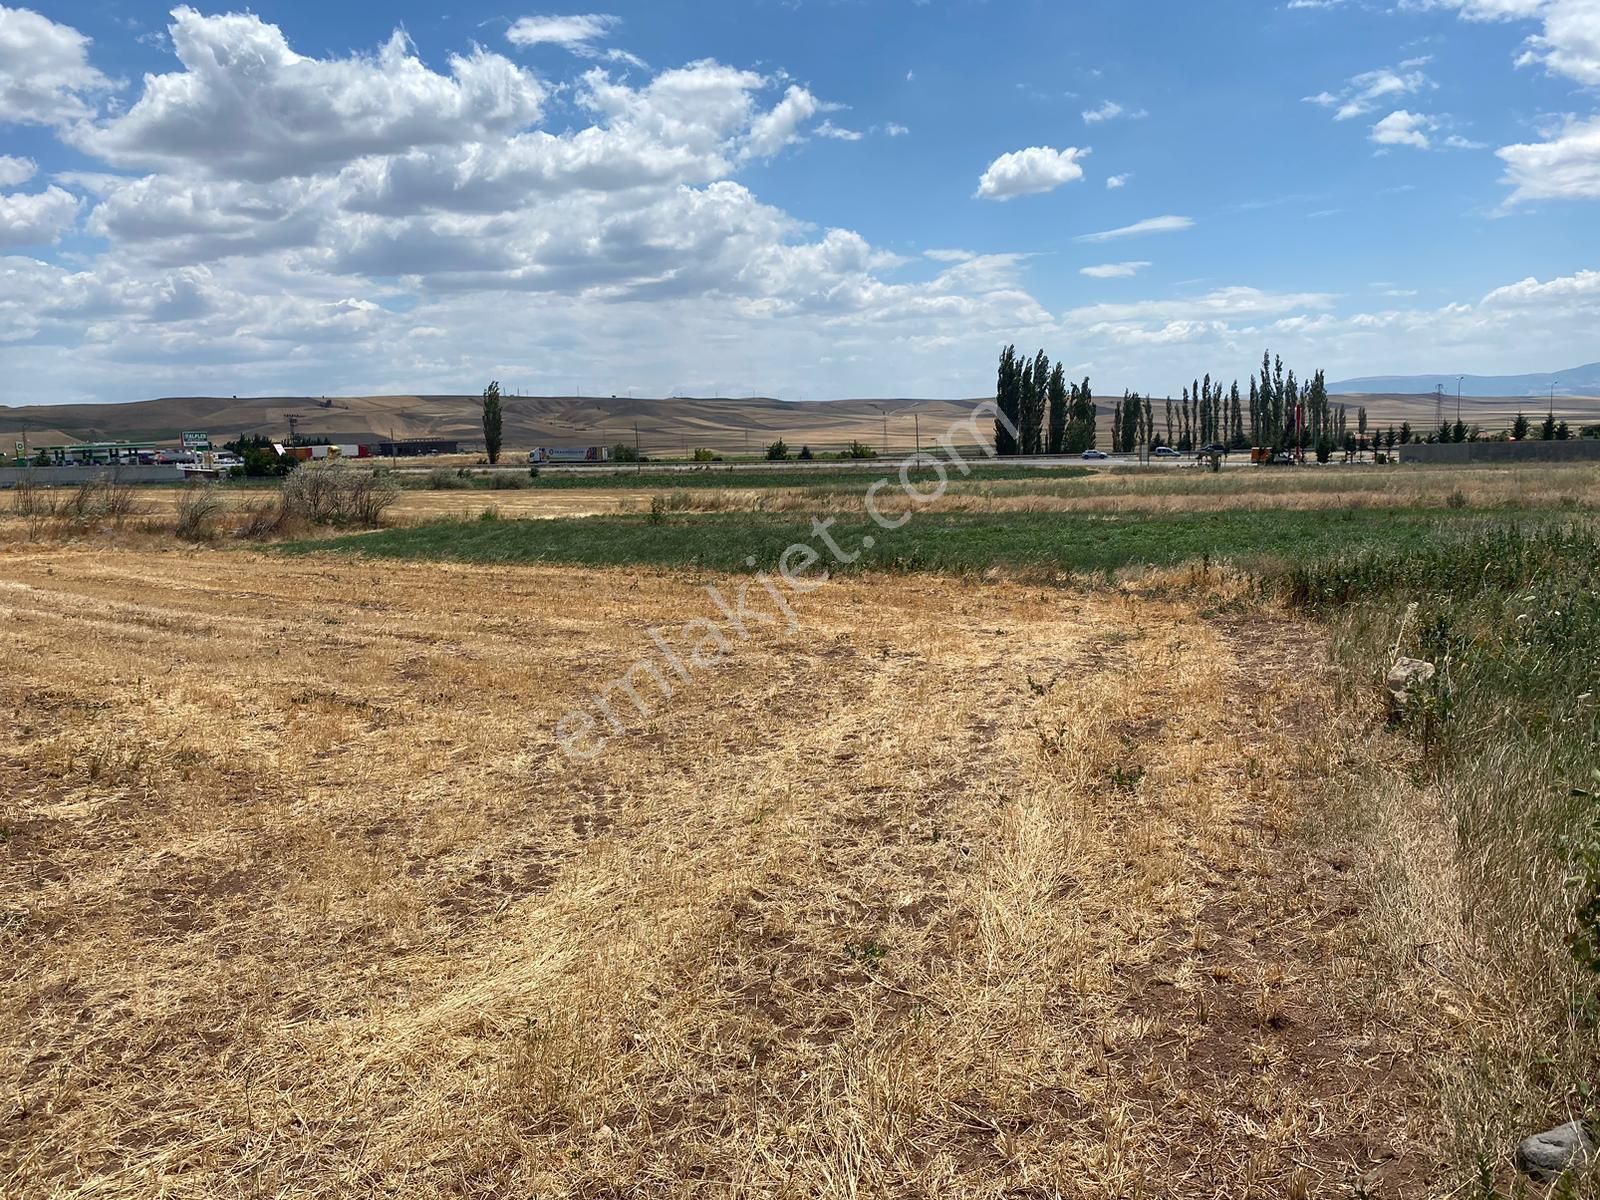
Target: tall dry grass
[{"x": 1479, "y": 812}]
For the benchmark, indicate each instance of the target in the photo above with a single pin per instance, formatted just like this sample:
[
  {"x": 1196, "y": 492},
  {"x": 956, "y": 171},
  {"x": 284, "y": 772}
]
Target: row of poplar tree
[
  {"x": 1278, "y": 412},
  {"x": 1049, "y": 415}
]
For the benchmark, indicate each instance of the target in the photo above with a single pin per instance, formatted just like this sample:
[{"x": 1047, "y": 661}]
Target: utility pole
[
  {"x": 884, "y": 412},
  {"x": 916, "y": 424},
  {"x": 638, "y": 459},
  {"x": 1459, "y": 378}
]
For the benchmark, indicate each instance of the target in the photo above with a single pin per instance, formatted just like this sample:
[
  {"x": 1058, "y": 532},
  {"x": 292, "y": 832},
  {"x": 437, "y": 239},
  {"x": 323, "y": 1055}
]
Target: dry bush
[
  {"x": 100, "y": 498},
  {"x": 442, "y": 479},
  {"x": 31, "y": 499},
  {"x": 199, "y": 508},
  {"x": 336, "y": 494},
  {"x": 265, "y": 519}
]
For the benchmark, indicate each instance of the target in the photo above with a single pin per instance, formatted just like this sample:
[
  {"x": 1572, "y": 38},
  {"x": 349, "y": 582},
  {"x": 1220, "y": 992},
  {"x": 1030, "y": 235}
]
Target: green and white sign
[{"x": 195, "y": 439}]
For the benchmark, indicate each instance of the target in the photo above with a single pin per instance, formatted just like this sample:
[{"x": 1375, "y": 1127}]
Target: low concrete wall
[
  {"x": 70, "y": 476},
  {"x": 1574, "y": 450}
]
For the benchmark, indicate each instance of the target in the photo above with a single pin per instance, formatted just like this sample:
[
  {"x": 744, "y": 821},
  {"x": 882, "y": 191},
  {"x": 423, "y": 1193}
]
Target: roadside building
[{"x": 99, "y": 454}]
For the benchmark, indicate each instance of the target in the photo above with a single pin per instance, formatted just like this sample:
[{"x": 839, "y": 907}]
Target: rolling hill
[
  {"x": 1581, "y": 381},
  {"x": 670, "y": 426},
  {"x": 663, "y": 426}
]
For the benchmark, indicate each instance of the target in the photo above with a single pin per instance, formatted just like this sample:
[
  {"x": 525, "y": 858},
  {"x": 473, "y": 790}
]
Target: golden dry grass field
[{"x": 965, "y": 890}]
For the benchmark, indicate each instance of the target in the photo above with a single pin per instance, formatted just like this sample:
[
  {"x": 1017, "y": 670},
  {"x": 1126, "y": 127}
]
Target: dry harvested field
[
  {"x": 1164, "y": 490},
  {"x": 964, "y": 890}
]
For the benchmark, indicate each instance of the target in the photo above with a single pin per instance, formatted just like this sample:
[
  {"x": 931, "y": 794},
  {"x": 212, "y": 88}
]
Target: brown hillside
[{"x": 668, "y": 426}]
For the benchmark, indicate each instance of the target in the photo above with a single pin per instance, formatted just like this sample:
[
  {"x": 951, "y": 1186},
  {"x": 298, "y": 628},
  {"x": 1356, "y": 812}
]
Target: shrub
[
  {"x": 622, "y": 452},
  {"x": 264, "y": 520},
  {"x": 778, "y": 451},
  {"x": 99, "y": 499},
  {"x": 198, "y": 509},
  {"x": 442, "y": 479},
  {"x": 702, "y": 454},
  {"x": 336, "y": 494},
  {"x": 805, "y": 454},
  {"x": 502, "y": 482},
  {"x": 858, "y": 450},
  {"x": 31, "y": 500}
]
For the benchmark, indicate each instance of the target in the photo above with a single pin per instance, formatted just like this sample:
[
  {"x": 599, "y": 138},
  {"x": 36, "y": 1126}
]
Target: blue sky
[{"x": 803, "y": 199}]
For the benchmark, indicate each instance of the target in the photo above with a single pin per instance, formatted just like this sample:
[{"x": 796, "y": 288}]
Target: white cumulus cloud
[
  {"x": 14, "y": 170},
  {"x": 1030, "y": 172},
  {"x": 247, "y": 106},
  {"x": 1403, "y": 128},
  {"x": 36, "y": 220},
  {"x": 1564, "y": 167},
  {"x": 45, "y": 74}
]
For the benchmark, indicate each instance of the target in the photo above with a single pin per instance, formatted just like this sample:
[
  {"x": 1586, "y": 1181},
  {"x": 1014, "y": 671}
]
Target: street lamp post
[{"x": 1459, "y": 378}]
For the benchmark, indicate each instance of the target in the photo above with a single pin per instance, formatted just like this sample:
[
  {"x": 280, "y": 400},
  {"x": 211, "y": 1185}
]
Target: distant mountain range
[{"x": 1576, "y": 381}]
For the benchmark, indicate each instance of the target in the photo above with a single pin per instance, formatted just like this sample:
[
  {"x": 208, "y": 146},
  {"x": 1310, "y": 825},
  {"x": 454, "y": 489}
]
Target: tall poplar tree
[
  {"x": 1027, "y": 406},
  {"x": 1035, "y": 394},
  {"x": 1006, "y": 394},
  {"x": 1057, "y": 399},
  {"x": 493, "y": 421}
]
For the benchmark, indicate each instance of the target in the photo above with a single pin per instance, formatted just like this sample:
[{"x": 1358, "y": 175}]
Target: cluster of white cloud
[
  {"x": 256, "y": 219},
  {"x": 1565, "y": 165},
  {"x": 1569, "y": 44},
  {"x": 368, "y": 221},
  {"x": 1370, "y": 91},
  {"x": 1363, "y": 93}
]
